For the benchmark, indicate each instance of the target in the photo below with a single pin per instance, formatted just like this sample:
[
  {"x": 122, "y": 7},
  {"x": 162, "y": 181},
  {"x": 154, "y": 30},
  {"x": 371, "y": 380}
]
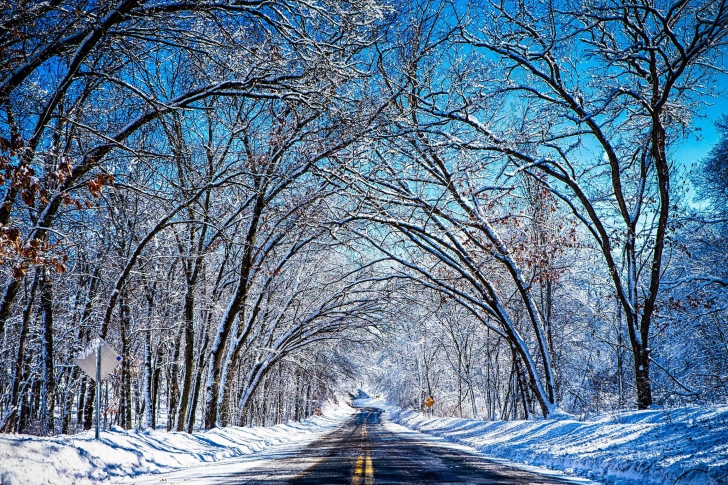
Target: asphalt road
[{"x": 365, "y": 452}]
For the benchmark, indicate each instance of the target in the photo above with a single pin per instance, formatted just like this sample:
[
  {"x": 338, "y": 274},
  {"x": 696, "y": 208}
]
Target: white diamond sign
[{"x": 86, "y": 360}]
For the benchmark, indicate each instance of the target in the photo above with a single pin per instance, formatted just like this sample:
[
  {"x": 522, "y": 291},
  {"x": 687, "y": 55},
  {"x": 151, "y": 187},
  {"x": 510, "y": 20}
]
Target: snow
[
  {"x": 79, "y": 459},
  {"x": 440, "y": 443},
  {"x": 680, "y": 446}
]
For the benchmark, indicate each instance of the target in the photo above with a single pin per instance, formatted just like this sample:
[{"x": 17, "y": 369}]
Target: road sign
[
  {"x": 429, "y": 401},
  {"x": 98, "y": 360},
  {"x": 86, "y": 360}
]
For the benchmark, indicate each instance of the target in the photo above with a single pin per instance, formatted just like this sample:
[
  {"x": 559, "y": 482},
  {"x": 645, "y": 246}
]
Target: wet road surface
[{"x": 364, "y": 452}]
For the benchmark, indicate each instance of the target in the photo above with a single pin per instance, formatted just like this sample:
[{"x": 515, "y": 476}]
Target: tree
[
  {"x": 646, "y": 63},
  {"x": 113, "y": 94},
  {"x": 711, "y": 178},
  {"x": 439, "y": 205}
]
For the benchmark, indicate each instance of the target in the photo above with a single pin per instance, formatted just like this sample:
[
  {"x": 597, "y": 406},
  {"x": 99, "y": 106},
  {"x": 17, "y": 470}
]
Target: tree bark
[
  {"x": 11, "y": 420},
  {"x": 198, "y": 385},
  {"x": 147, "y": 392},
  {"x": 6, "y": 304},
  {"x": 48, "y": 385},
  {"x": 213, "y": 392},
  {"x": 125, "y": 406},
  {"x": 189, "y": 355},
  {"x": 173, "y": 387}
]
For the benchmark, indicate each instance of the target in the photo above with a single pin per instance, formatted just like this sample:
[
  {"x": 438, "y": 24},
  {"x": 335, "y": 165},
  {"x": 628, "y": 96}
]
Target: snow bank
[
  {"x": 656, "y": 447},
  {"x": 80, "y": 459}
]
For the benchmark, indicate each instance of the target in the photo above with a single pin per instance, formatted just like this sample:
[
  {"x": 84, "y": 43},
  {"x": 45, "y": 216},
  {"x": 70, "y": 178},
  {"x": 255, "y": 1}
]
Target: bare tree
[{"x": 627, "y": 105}]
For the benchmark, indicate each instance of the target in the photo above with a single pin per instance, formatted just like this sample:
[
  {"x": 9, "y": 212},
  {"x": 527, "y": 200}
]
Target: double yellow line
[{"x": 363, "y": 470}]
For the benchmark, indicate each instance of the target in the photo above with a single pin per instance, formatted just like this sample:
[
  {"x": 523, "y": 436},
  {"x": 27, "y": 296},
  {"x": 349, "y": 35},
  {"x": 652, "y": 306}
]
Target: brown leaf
[
  {"x": 12, "y": 233},
  {"x": 65, "y": 166},
  {"x": 28, "y": 197},
  {"x": 19, "y": 271},
  {"x": 94, "y": 187}
]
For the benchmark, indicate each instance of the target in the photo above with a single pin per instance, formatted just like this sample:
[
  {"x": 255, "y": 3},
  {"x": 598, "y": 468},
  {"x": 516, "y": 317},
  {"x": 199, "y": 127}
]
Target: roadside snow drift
[
  {"x": 656, "y": 447},
  {"x": 79, "y": 459}
]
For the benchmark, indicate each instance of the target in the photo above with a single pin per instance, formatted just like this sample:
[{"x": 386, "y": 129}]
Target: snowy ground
[
  {"x": 543, "y": 471},
  {"x": 677, "y": 447},
  {"x": 297, "y": 462},
  {"x": 79, "y": 459}
]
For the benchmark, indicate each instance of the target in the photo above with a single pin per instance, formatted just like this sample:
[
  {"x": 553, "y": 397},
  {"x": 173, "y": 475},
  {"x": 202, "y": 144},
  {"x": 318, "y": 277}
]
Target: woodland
[{"x": 263, "y": 204}]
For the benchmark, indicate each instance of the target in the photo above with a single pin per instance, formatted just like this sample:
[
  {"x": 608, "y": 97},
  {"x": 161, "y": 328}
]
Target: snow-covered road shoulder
[
  {"x": 677, "y": 447},
  {"x": 79, "y": 459}
]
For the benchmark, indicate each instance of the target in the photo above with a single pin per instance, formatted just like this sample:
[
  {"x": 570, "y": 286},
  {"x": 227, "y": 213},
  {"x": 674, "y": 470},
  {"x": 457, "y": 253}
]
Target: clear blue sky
[{"x": 695, "y": 147}]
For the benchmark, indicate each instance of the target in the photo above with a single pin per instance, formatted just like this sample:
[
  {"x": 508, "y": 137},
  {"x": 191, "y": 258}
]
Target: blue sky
[{"x": 695, "y": 147}]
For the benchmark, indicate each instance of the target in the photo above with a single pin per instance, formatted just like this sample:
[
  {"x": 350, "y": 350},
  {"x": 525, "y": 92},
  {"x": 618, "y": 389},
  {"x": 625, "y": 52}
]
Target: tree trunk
[
  {"x": 48, "y": 385},
  {"x": 26, "y": 403},
  {"x": 279, "y": 404},
  {"x": 83, "y": 339},
  {"x": 198, "y": 385},
  {"x": 88, "y": 409},
  {"x": 173, "y": 387},
  {"x": 213, "y": 392},
  {"x": 148, "y": 421},
  {"x": 297, "y": 397},
  {"x": 189, "y": 355},
  {"x": 642, "y": 377},
  {"x": 125, "y": 411},
  {"x": 81, "y": 400},
  {"x": 72, "y": 378},
  {"x": 6, "y": 304},
  {"x": 11, "y": 420},
  {"x": 156, "y": 375},
  {"x": 522, "y": 386}
]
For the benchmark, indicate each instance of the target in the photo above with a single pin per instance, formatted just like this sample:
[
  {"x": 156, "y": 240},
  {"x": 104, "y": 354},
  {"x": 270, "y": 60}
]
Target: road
[{"x": 364, "y": 451}]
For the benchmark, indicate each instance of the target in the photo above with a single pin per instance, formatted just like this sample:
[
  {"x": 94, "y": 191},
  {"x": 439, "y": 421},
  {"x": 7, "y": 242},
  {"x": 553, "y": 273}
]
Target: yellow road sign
[{"x": 429, "y": 401}]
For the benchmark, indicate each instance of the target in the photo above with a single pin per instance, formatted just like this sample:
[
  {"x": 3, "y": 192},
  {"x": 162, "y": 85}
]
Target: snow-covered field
[
  {"x": 657, "y": 447},
  {"x": 79, "y": 459}
]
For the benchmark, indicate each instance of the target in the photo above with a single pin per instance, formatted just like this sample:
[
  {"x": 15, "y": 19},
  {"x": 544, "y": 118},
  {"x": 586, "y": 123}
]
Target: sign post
[
  {"x": 98, "y": 360},
  {"x": 98, "y": 389}
]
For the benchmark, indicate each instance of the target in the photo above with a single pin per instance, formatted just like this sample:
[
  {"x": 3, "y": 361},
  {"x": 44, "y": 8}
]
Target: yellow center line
[
  {"x": 358, "y": 468},
  {"x": 369, "y": 471},
  {"x": 363, "y": 469}
]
